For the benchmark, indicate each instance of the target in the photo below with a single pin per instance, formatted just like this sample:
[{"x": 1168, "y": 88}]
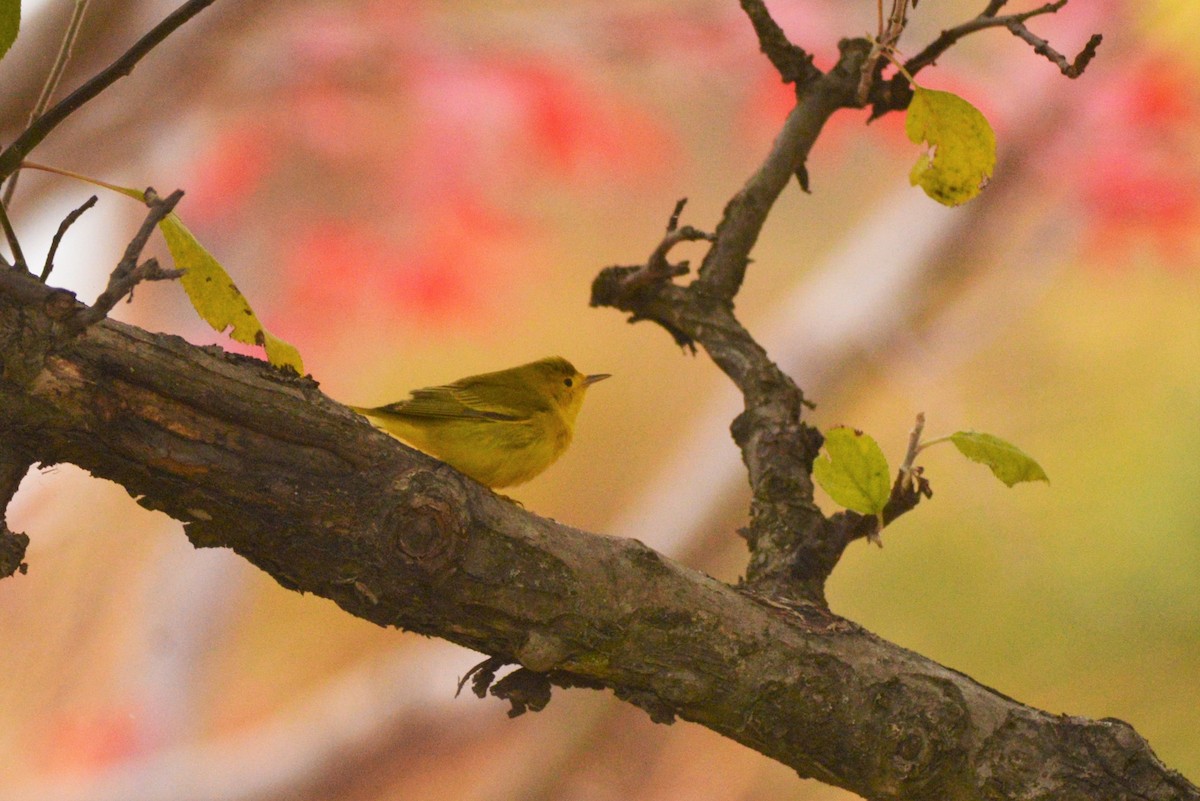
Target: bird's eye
[{"x": 568, "y": 382}]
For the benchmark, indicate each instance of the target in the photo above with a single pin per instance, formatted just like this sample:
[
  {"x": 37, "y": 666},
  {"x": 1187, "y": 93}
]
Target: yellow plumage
[{"x": 500, "y": 428}]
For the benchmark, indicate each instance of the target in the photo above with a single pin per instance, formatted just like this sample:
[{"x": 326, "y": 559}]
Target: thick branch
[
  {"x": 13, "y": 466},
  {"x": 328, "y": 505}
]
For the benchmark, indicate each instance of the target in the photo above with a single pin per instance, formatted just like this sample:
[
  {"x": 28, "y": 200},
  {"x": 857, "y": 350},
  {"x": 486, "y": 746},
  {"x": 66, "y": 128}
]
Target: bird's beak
[{"x": 588, "y": 380}]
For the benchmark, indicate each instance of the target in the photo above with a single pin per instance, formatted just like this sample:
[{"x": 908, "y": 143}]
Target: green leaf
[
  {"x": 962, "y": 146},
  {"x": 212, "y": 292},
  {"x": 10, "y": 23},
  {"x": 855, "y": 473},
  {"x": 1010, "y": 464}
]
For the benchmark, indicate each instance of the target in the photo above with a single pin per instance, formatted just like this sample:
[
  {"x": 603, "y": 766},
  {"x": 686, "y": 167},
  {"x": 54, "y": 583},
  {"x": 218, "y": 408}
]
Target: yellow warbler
[{"x": 500, "y": 428}]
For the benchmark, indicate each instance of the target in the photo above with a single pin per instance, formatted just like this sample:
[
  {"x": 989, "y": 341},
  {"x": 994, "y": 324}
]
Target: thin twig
[
  {"x": 128, "y": 272},
  {"x": 883, "y": 46},
  {"x": 52, "y": 80},
  {"x": 987, "y": 19},
  {"x": 15, "y": 153},
  {"x": 673, "y": 223},
  {"x": 11, "y": 236},
  {"x": 657, "y": 268},
  {"x": 1071, "y": 69},
  {"x": 914, "y": 447},
  {"x": 67, "y": 222}
]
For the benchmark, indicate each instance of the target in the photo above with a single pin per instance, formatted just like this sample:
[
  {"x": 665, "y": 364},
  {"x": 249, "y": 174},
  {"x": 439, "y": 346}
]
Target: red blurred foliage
[
  {"x": 82, "y": 743},
  {"x": 1135, "y": 161},
  {"x": 426, "y": 148},
  {"x": 229, "y": 170}
]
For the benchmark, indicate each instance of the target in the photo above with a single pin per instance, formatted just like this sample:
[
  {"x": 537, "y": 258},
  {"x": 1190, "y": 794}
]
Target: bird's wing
[{"x": 453, "y": 401}]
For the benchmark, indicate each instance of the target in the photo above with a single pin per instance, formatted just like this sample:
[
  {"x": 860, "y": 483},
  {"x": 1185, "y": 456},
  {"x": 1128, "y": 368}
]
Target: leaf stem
[{"x": 935, "y": 441}]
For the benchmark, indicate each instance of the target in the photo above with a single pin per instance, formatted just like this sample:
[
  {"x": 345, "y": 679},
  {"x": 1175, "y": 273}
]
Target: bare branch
[
  {"x": 128, "y": 273},
  {"x": 794, "y": 64},
  {"x": 67, "y": 222},
  {"x": 1015, "y": 23},
  {"x": 1071, "y": 69},
  {"x": 51, "y": 85},
  {"x": 15, "y": 153},
  {"x": 10, "y": 236}
]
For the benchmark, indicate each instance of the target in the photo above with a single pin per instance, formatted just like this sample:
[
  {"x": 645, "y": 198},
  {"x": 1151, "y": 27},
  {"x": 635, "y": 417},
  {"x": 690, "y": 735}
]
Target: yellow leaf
[
  {"x": 212, "y": 292},
  {"x": 962, "y": 146},
  {"x": 217, "y": 299}
]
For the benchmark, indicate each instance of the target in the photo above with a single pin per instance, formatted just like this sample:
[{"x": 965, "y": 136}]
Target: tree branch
[
  {"x": 63, "y": 227},
  {"x": 13, "y": 466},
  {"x": 328, "y": 505},
  {"x": 895, "y": 93},
  {"x": 794, "y": 64},
  {"x": 128, "y": 273},
  {"x": 15, "y": 153},
  {"x": 1015, "y": 24},
  {"x": 792, "y": 550}
]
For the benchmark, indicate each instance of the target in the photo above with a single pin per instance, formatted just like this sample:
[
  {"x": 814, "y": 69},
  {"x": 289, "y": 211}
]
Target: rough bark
[{"x": 265, "y": 464}]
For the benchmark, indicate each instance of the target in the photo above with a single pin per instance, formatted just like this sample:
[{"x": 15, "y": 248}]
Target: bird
[{"x": 501, "y": 428}]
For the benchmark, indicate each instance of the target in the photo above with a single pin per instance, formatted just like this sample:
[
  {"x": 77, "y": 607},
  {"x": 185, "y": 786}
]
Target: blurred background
[{"x": 410, "y": 192}]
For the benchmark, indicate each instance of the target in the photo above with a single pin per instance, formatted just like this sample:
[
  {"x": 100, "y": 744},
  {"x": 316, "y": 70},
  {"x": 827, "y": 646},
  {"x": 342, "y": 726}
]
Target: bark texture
[{"x": 265, "y": 464}]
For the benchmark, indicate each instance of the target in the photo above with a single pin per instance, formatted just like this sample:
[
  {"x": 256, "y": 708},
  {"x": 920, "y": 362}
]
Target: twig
[
  {"x": 884, "y": 45},
  {"x": 128, "y": 272},
  {"x": 1071, "y": 69},
  {"x": 52, "y": 80},
  {"x": 11, "y": 236},
  {"x": 914, "y": 447},
  {"x": 657, "y": 266},
  {"x": 15, "y": 153},
  {"x": 989, "y": 19},
  {"x": 794, "y": 64},
  {"x": 673, "y": 223},
  {"x": 67, "y": 222}
]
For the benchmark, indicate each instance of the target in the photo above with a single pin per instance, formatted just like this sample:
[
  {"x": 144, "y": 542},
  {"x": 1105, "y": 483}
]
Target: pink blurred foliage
[
  {"x": 430, "y": 143},
  {"x": 83, "y": 742},
  {"x": 1133, "y": 156},
  {"x": 434, "y": 145}
]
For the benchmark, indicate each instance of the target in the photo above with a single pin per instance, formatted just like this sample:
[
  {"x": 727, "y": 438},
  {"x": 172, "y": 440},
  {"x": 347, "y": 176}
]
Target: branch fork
[{"x": 129, "y": 272}]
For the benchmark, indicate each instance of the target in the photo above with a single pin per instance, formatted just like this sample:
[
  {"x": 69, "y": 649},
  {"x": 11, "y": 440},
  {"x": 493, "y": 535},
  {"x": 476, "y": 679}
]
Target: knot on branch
[
  {"x": 918, "y": 737},
  {"x": 426, "y": 528}
]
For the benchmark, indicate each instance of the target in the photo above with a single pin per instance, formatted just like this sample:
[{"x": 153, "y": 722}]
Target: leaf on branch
[
  {"x": 212, "y": 292},
  {"x": 218, "y": 300},
  {"x": 962, "y": 146},
  {"x": 10, "y": 23},
  {"x": 855, "y": 472},
  {"x": 1010, "y": 464}
]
